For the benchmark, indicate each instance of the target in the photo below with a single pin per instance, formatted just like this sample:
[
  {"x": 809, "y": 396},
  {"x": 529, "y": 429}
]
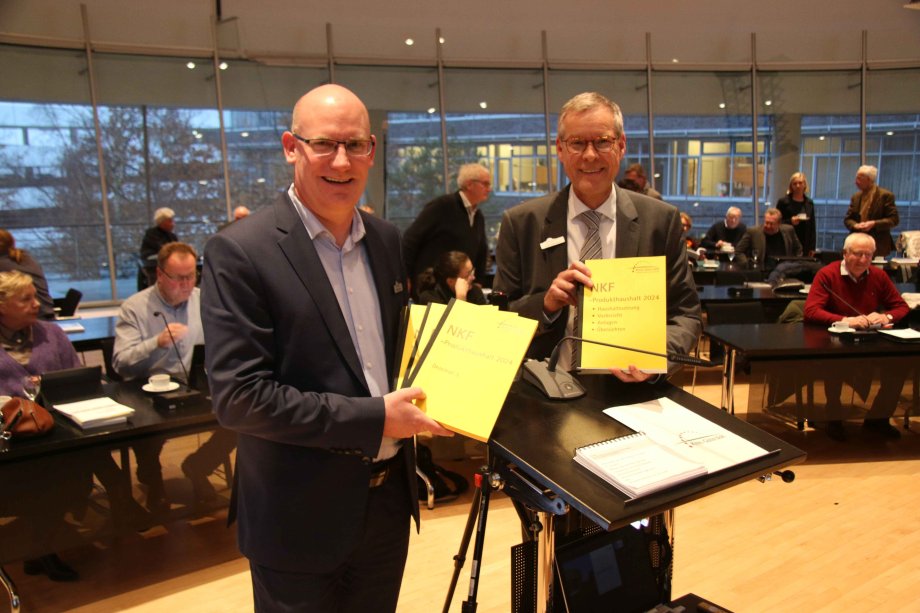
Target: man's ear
[{"x": 289, "y": 144}]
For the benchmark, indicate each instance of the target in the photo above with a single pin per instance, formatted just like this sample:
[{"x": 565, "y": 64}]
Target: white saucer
[{"x": 173, "y": 385}]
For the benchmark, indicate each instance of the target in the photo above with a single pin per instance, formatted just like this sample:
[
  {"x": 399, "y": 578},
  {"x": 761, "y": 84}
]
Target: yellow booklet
[
  {"x": 468, "y": 364},
  {"x": 627, "y": 307}
]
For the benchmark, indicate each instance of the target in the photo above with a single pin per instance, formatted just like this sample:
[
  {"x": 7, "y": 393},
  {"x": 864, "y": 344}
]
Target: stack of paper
[
  {"x": 464, "y": 357},
  {"x": 95, "y": 412}
]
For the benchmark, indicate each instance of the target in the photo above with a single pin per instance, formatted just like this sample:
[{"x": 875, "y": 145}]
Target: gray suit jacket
[
  {"x": 754, "y": 238},
  {"x": 286, "y": 376},
  {"x": 644, "y": 226}
]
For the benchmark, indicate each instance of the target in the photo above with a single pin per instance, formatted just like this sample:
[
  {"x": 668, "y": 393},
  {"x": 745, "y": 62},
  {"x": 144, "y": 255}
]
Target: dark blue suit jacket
[{"x": 285, "y": 375}]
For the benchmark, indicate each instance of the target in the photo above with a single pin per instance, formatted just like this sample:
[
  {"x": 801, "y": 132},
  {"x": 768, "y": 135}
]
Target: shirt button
[
  {"x": 351, "y": 290},
  {"x": 360, "y": 328},
  {"x": 369, "y": 364}
]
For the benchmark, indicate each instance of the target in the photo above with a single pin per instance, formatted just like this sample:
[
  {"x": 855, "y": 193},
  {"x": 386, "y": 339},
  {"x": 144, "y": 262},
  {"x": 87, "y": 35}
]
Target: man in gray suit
[
  {"x": 767, "y": 242},
  {"x": 301, "y": 308},
  {"x": 540, "y": 241}
]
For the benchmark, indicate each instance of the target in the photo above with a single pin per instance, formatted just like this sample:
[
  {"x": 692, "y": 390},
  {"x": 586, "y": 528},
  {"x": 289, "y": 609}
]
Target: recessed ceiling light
[
  {"x": 721, "y": 105},
  {"x": 768, "y": 103},
  {"x": 483, "y": 104},
  {"x": 657, "y": 175},
  {"x": 223, "y": 65},
  {"x": 260, "y": 180},
  {"x": 190, "y": 65},
  {"x": 202, "y": 182},
  {"x": 821, "y": 137},
  {"x": 441, "y": 40},
  {"x": 696, "y": 204},
  {"x": 889, "y": 133},
  {"x": 244, "y": 134},
  {"x": 410, "y": 42},
  {"x": 432, "y": 111},
  {"x": 674, "y": 60},
  {"x": 199, "y": 135}
]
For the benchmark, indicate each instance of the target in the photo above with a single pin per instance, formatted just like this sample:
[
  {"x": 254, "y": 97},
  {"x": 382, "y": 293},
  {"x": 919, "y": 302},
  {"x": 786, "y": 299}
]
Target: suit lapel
[
  {"x": 554, "y": 226},
  {"x": 298, "y": 248},
  {"x": 627, "y": 225}
]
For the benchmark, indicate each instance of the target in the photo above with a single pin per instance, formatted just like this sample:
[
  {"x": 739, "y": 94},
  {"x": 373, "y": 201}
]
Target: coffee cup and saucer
[
  {"x": 840, "y": 327},
  {"x": 157, "y": 384}
]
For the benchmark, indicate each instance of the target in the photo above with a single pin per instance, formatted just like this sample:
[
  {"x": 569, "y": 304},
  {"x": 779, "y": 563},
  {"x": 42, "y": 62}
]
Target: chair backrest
[
  {"x": 67, "y": 306},
  {"x": 108, "y": 350},
  {"x": 735, "y": 313}
]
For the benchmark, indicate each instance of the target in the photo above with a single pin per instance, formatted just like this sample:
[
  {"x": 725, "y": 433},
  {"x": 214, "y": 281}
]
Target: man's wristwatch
[{"x": 890, "y": 318}]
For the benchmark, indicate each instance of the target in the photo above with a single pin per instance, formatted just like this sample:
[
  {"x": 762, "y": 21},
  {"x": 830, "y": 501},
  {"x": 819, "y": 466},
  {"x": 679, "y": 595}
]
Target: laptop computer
[
  {"x": 70, "y": 385},
  {"x": 608, "y": 572}
]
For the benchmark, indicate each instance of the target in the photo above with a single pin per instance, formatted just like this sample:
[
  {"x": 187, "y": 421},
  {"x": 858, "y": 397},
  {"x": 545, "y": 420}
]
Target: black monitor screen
[{"x": 608, "y": 572}]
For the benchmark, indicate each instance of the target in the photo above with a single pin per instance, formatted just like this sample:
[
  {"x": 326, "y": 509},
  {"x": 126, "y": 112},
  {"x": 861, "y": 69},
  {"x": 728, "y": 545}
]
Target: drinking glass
[{"x": 31, "y": 386}]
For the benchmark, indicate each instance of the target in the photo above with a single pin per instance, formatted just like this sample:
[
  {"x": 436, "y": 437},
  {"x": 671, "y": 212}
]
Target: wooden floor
[{"x": 839, "y": 538}]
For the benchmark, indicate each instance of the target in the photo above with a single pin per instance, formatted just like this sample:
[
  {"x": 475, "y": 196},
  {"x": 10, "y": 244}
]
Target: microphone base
[
  {"x": 179, "y": 399},
  {"x": 555, "y": 384}
]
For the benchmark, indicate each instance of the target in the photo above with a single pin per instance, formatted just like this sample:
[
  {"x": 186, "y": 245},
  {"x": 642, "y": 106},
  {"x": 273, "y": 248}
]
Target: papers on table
[
  {"x": 627, "y": 307},
  {"x": 464, "y": 357},
  {"x": 912, "y": 299},
  {"x": 95, "y": 412},
  {"x": 72, "y": 327},
  {"x": 905, "y": 334},
  {"x": 671, "y": 444}
]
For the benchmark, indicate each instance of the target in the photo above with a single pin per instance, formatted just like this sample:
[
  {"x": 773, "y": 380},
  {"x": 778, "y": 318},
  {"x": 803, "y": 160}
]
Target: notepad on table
[
  {"x": 72, "y": 327},
  {"x": 95, "y": 412},
  {"x": 637, "y": 465}
]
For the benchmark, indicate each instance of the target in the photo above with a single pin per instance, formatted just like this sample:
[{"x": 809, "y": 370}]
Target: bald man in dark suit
[{"x": 301, "y": 307}]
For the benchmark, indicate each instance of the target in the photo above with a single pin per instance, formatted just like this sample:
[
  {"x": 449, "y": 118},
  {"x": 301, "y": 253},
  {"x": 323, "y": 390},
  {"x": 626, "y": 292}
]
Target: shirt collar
[
  {"x": 846, "y": 273},
  {"x": 608, "y": 207},
  {"x": 15, "y": 337},
  {"x": 316, "y": 229}
]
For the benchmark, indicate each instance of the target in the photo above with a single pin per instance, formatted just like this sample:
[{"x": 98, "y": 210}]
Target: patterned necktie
[{"x": 590, "y": 250}]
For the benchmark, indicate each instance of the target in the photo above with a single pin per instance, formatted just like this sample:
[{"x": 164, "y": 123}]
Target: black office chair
[
  {"x": 108, "y": 349},
  {"x": 67, "y": 306},
  {"x": 737, "y": 277},
  {"x": 731, "y": 313}
]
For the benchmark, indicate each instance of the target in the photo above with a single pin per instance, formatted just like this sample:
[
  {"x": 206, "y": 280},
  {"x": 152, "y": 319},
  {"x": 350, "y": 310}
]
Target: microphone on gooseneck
[
  {"x": 560, "y": 385},
  {"x": 847, "y": 304},
  {"x": 175, "y": 346}
]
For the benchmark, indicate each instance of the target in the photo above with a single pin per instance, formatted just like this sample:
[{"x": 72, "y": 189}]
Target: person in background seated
[
  {"x": 453, "y": 276},
  {"x": 636, "y": 174},
  {"x": 798, "y": 210},
  {"x": 157, "y": 235},
  {"x": 855, "y": 292},
  {"x": 686, "y": 224},
  {"x": 872, "y": 210},
  {"x": 730, "y": 231},
  {"x": 770, "y": 240},
  {"x": 143, "y": 345},
  {"x": 12, "y": 258}
]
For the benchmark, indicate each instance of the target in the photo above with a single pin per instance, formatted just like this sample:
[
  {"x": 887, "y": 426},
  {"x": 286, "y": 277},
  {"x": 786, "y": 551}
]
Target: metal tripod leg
[
  {"x": 10, "y": 587},
  {"x": 460, "y": 557},
  {"x": 484, "y": 485}
]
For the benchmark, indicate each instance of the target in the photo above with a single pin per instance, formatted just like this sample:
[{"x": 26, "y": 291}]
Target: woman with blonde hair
[{"x": 798, "y": 210}]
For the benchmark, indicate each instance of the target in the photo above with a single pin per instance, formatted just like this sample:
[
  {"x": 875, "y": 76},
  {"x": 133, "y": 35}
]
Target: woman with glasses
[{"x": 453, "y": 276}]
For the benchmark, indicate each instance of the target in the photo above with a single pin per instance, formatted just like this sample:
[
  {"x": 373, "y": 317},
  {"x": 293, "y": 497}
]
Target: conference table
[
  {"x": 800, "y": 352},
  {"x": 537, "y": 437},
  {"x": 29, "y": 466},
  {"x": 95, "y": 330}
]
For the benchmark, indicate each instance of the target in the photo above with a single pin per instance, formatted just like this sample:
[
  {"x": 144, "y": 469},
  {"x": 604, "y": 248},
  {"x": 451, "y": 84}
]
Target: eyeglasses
[
  {"x": 180, "y": 278},
  {"x": 603, "y": 144},
  {"x": 486, "y": 184},
  {"x": 326, "y": 146},
  {"x": 862, "y": 254}
]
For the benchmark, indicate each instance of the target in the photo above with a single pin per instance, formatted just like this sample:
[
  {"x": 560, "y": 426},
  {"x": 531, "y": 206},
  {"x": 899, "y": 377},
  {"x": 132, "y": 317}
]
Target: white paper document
[
  {"x": 687, "y": 434},
  {"x": 95, "y": 412}
]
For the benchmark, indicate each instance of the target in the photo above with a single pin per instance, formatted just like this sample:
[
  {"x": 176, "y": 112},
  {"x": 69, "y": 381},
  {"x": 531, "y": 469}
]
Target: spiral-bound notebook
[{"x": 637, "y": 465}]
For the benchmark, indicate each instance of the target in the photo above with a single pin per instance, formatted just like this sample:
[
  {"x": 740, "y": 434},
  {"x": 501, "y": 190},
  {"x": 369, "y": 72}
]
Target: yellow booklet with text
[
  {"x": 467, "y": 365},
  {"x": 627, "y": 307}
]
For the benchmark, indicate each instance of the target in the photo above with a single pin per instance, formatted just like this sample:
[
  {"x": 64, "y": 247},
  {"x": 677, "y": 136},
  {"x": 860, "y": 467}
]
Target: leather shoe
[
  {"x": 836, "y": 431},
  {"x": 52, "y": 566},
  {"x": 882, "y": 427}
]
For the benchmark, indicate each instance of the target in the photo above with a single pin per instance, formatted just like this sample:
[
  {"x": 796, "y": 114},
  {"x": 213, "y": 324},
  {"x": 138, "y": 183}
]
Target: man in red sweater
[{"x": 863, "y": 296}]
